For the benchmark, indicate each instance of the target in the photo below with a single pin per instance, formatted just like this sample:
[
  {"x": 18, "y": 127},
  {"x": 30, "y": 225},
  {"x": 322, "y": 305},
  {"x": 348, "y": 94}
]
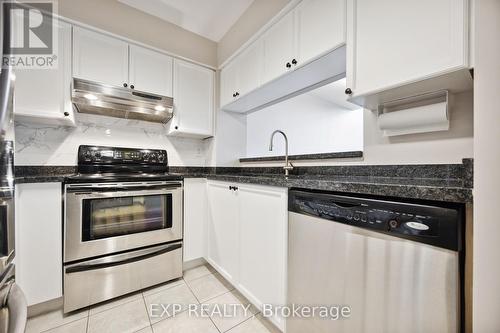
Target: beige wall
[
  {"x": 117, "y": 18},
  {"x": 486, "y": 274},
  {"x": 257, "y": 15}
]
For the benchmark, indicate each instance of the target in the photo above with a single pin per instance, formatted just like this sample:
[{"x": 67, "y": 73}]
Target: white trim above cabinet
[
  {"x": 403, "y": 48},
  {"x": 193, "y": 92}
]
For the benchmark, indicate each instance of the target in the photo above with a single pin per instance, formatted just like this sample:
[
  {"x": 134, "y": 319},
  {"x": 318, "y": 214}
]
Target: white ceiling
[{"x": 208, "y": 18}]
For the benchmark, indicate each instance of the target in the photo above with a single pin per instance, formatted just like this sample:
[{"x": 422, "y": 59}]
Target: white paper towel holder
[{"x": 435, "y": 104}]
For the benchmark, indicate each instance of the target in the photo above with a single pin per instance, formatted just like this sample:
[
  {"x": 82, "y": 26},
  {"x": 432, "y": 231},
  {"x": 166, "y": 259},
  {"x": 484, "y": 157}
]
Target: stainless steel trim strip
[{"x": 122, "y": 259}]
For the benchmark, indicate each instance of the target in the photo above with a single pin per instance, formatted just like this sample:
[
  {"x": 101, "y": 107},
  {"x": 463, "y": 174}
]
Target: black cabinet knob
[
  {"x": 66, "y": 114},
  {"x": 288, "y": 65},
  {"x": 237, "y": 94},
  {"x": 234, "y": 94},
  {"x": 125, "y": 85},
  {"x": 176, "y": 127},
  {"x": 348, "y": 91},
  {"x": 294, "y": 62},
  {"x": 132, "y": 86}
]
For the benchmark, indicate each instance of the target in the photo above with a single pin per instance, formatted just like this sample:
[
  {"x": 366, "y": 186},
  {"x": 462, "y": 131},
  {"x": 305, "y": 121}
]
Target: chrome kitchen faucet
[{"x": 288, "y": 165}]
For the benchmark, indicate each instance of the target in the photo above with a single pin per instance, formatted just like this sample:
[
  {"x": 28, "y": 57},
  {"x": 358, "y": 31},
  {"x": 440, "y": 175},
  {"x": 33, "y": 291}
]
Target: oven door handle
[
  {"x": 105, "y": 262},
  {"x": 119, "y": 189}
]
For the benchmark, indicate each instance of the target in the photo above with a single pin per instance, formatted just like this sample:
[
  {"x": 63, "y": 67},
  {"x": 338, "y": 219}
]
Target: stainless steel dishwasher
[{"x": 398, "y": 266}]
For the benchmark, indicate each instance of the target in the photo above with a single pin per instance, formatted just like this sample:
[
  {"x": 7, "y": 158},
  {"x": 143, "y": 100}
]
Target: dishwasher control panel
[{"x": 433, "y": 225}]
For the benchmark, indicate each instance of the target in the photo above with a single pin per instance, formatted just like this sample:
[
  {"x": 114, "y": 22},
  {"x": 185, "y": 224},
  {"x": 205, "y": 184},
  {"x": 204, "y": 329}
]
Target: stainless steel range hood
[{"x": 100, "y": 99}]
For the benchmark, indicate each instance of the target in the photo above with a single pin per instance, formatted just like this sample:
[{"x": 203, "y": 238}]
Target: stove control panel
[{"x": 114, "y": 155}]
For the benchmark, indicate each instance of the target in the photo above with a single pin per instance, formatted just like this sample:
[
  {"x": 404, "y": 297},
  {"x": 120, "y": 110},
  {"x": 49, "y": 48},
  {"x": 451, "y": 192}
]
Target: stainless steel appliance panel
[
  {"x": 77, "y": 248},
  {"x": 97, "y": 280},
  {"x": 392, "y": 285}
]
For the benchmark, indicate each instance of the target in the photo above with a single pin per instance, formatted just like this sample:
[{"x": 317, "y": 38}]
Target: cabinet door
[
  {"x": 263, "y": 244},
  {"x": 150, "y": 71},
  {"x": 39, "y": 241},
  {"x": 279, "y": 47},
  {"x": 193, "y": 100},
  {"x": 195, "y": 219},
  {"x": 250, "y": 65},
  {"x": 223, "y": 230},
  {"x": 320, "y": 27},
  {"x": 228, "y": 83},
  {"x": 100, "y": 58},
  {"x": 38, "y": 101},
  {"x": 394, "y": 42}
]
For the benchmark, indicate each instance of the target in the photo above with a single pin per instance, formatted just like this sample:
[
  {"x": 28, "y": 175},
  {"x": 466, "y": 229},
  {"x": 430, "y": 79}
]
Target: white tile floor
[{"x": 131, "y": 313}]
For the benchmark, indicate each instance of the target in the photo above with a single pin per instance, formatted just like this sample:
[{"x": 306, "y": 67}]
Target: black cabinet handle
[
  {"x": 234, "y": 94},
  {"x": 348, "y": 91},
  {"x": 288, "y": 65},
  {"x": 233, "y": 188},
  {"x": 66, "y": 114},
  {"x": 294, "y": 62},
  {"x": 237, "y": 94},
  {"x": 132, "y": 86},
  {"x": 125, "y": 85}
]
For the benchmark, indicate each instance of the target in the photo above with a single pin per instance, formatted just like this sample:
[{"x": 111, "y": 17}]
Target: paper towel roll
[{"x": 428, "y": 118}]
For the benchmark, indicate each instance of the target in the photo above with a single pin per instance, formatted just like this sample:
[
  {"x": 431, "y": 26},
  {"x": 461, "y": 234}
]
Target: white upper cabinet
[
  {"x": 397, "y": 42},
  {"x": 228, "y": 83},
  {"x": 150, "y": 71},
  {"x": 250, "y": 68},
  {"x": 100, "y": 58},
  {"x": 44, "y": 95},
  {"x": 244, "y": 74},
  {"x": 305, "y": 33},
  {"x": 320, "y": 27},
  {"x": 279, "y": 48},
  {"x": 193, "y": 100}
]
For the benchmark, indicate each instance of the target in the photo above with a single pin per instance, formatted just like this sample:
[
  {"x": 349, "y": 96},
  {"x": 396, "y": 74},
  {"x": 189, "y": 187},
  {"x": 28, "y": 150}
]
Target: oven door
[{"x": 102, "y": 219}]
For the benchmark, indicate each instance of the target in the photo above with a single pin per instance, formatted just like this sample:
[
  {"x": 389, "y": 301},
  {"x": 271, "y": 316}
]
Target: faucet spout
[{"x": 288, "y": 166}]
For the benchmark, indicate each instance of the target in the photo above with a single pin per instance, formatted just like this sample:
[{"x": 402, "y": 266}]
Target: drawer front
[{"x": 101, "y": 279}]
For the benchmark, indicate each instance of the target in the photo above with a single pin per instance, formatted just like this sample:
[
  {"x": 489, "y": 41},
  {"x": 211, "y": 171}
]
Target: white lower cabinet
[
  {"x": 263, "y": 217},
  {"x": 195, "y": 217},
  {"x": 223, "y": 230},
  {"x": 39, "y": 241},
  {"x": 247, "y": 239}
]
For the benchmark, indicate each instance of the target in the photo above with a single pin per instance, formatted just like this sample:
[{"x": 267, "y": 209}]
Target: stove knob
[
  {"x": 161, "y": 158},
  {"x": 145, "y": 156},
  {"x": 98, "y": 154},
  {"x": 153, "y": 156},
  {"x": 87, "y": 154}
]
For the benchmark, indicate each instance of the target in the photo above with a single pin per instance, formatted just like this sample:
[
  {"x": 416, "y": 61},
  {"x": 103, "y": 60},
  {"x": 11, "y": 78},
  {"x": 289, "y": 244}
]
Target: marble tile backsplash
[{"x": 38, "y": 144}]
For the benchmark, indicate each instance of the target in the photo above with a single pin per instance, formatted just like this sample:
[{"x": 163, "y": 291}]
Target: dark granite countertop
[
  {"x": 440, "y": 182},
  {"x": 427, "y": 189},
  {"x": 319, "y": 156}
]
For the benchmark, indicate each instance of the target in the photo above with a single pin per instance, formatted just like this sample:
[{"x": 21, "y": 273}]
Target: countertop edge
[{"x": 319, "y": 156}]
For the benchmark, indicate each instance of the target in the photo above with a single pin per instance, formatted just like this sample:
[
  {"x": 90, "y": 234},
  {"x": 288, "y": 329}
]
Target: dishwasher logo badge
[{"x": 33, "y": 35}]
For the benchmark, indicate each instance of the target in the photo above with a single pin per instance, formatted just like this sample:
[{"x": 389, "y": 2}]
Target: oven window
[{"x": 109, "y": 217}]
